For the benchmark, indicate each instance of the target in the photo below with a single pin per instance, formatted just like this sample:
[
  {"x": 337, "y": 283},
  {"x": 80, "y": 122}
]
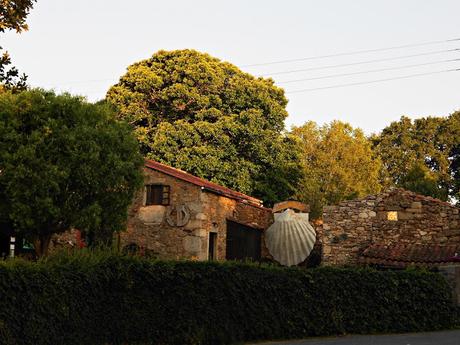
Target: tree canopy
[
  {"x": 420, "y": 179},
  {"x": 13, "y": 15},
  {"x": 64, "y": 163},
  {"x": 207, "y": 117},
  {"x": 338, "y": 164},
  {"x": 423, "y": 147},
  {"x": 454, "y": 156}
]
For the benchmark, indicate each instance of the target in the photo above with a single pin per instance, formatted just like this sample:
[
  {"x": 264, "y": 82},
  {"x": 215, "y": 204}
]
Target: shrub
[{"x": 112, "y": 299}]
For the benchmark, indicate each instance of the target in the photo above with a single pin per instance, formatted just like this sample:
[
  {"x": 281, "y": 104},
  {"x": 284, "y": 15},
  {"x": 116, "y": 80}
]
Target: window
[
  {"x": 212, "y": 250},
  {"x": 392, "y": 215},
  {"x": 157, "y": 194}
]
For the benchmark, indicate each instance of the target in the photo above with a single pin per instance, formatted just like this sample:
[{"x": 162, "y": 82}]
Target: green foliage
[
  {"x": 420, "y": 180},
  {"x": 207, "y": 117},
  {"x": 424, "y": 144},
  {"x": 9, "y": 76},
  {"x": 13, "y": 15},
  {"x": 109, "y": 299},
  {"x": 454, "y": 156},
  {"x": 64, "y": 163},
  {"x": 338, "y": 165}
]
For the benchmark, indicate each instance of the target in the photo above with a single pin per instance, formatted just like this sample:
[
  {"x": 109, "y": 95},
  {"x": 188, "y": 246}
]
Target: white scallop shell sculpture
[{"x": 290, "y": 239}]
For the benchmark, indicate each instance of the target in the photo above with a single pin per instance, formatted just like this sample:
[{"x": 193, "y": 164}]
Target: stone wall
[
  {"x": 394, "y": 216},
  {"x": 208, "y": 211}
]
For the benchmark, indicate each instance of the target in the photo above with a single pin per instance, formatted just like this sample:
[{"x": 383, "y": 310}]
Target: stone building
[
  {"x": 396, "y": 228},
  {"x": 180, "y": 216}
]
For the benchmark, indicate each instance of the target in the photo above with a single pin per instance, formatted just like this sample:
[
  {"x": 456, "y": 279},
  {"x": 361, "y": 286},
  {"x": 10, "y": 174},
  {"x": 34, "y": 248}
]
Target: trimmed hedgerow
[{"x": 111, "y": 299}]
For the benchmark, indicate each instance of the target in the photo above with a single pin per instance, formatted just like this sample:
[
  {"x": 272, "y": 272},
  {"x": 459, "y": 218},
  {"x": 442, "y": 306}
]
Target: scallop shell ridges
[{"x": 290, "y": 239}]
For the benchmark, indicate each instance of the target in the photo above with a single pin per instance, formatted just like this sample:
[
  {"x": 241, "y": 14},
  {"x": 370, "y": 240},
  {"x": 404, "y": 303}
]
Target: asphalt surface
[{"x": 432, "y": 338}]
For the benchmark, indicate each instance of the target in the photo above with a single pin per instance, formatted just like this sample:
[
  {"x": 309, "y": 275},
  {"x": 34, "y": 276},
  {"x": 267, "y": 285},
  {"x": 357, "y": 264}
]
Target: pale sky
[{"x": 84, "y": 46}]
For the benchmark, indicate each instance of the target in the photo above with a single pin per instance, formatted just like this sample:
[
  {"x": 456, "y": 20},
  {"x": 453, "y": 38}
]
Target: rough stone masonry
[{"x": 395, "y": 216}]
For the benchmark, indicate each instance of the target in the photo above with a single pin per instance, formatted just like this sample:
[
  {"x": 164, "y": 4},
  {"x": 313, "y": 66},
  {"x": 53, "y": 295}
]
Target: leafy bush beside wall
[{"x": 100, "y": 299}]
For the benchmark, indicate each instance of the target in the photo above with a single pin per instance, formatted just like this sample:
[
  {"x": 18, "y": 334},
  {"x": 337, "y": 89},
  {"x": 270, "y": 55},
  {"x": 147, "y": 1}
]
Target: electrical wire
[
  {"x": 327, "y": 66},
  {"x": 368, "y": 71},
  {"x": 351, "y": 53},
  {"x": 361, "y": 62},
  {"x": 372, "y": 81}
]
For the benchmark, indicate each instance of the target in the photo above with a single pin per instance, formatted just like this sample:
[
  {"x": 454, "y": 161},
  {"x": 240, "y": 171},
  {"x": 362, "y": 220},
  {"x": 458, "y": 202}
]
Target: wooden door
[{"x": 243, "y": 242}]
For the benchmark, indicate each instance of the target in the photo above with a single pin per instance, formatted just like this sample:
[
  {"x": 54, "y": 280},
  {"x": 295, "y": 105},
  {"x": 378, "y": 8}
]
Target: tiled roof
[
  {"x": 204, "y": 184},
  {"x": 402, "y": 255}
]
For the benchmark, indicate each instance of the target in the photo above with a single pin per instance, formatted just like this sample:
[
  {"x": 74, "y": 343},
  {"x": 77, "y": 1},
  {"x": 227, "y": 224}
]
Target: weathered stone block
[
  {"x": 200, "y": 233},
  {"x": 416, "y": 204},
  {"x": 405, "y": 215},
  {"x": 393, "y": 208},
  {"x": 452, "y": 232},
  {"x": 414, "y": 210},
  {"x": 192, "y": 244},
  {"x": 193, "y": 224},
  {"x": 195, "y": 206},
  {"x": 152, "y": 214},
  {"x": 201, "y": 216}
]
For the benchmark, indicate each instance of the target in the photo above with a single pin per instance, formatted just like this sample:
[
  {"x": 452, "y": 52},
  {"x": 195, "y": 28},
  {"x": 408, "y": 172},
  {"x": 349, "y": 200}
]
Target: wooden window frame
[{"x": 165, "y": 198}]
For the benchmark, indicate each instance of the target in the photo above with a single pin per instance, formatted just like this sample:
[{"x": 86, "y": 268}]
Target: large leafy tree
[
  {"x": 13, "y": 15},
  {"x": 338, "y": 164},
  {"x": 420, "y": 179},
  {"x": 454, "y": 156},
  {"x": 64, "y": 163},
  {"x": 411, "y": 149},
  {"x": 205, "y": 116}
]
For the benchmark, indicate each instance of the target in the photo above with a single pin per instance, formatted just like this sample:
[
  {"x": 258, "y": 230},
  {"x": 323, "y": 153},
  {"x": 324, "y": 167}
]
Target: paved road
[{"x": 433, "y": 338}]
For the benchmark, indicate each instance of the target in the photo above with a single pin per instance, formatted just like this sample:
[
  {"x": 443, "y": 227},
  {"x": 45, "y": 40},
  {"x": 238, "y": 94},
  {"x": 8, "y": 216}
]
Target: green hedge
[{"x": 110, "y": 299}]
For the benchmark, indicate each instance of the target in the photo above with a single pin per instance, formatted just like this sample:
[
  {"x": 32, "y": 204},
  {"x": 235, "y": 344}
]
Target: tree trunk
[{"x": 41, "y": 244}]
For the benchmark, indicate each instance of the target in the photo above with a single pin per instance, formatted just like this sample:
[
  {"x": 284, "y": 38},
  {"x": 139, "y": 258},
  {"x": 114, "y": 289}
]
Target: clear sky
[{"x": 84, "y": 46}]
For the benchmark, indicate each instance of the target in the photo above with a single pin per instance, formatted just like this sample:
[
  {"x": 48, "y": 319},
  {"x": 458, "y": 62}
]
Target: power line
[
  {"x": 368, "y": 71},
  {"x": 301, "y": 70},
  {"x": 373, "y": 81},
  {"x": 351, "y": 53},
  {"x": 362, "y": 62}
]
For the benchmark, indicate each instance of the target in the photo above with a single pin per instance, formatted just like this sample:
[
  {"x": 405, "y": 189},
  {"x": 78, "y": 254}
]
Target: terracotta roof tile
[
  {"x": 206, "y": 185},
  {"x": 402, "y": 255}
]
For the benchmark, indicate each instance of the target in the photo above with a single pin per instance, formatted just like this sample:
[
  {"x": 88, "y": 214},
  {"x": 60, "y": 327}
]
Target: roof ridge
[
  {"x": 425, "y": 253},
  {"x": 201, "y": 182}
]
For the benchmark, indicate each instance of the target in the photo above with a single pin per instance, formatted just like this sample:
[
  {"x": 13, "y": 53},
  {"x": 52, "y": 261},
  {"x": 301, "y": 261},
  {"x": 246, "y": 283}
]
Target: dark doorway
[
  {"x": 243, "y": 242},
  {"x": 4, "y": 245},
  {"x": 6, "y": 232},
  {"x": 212, "y": 250}
]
